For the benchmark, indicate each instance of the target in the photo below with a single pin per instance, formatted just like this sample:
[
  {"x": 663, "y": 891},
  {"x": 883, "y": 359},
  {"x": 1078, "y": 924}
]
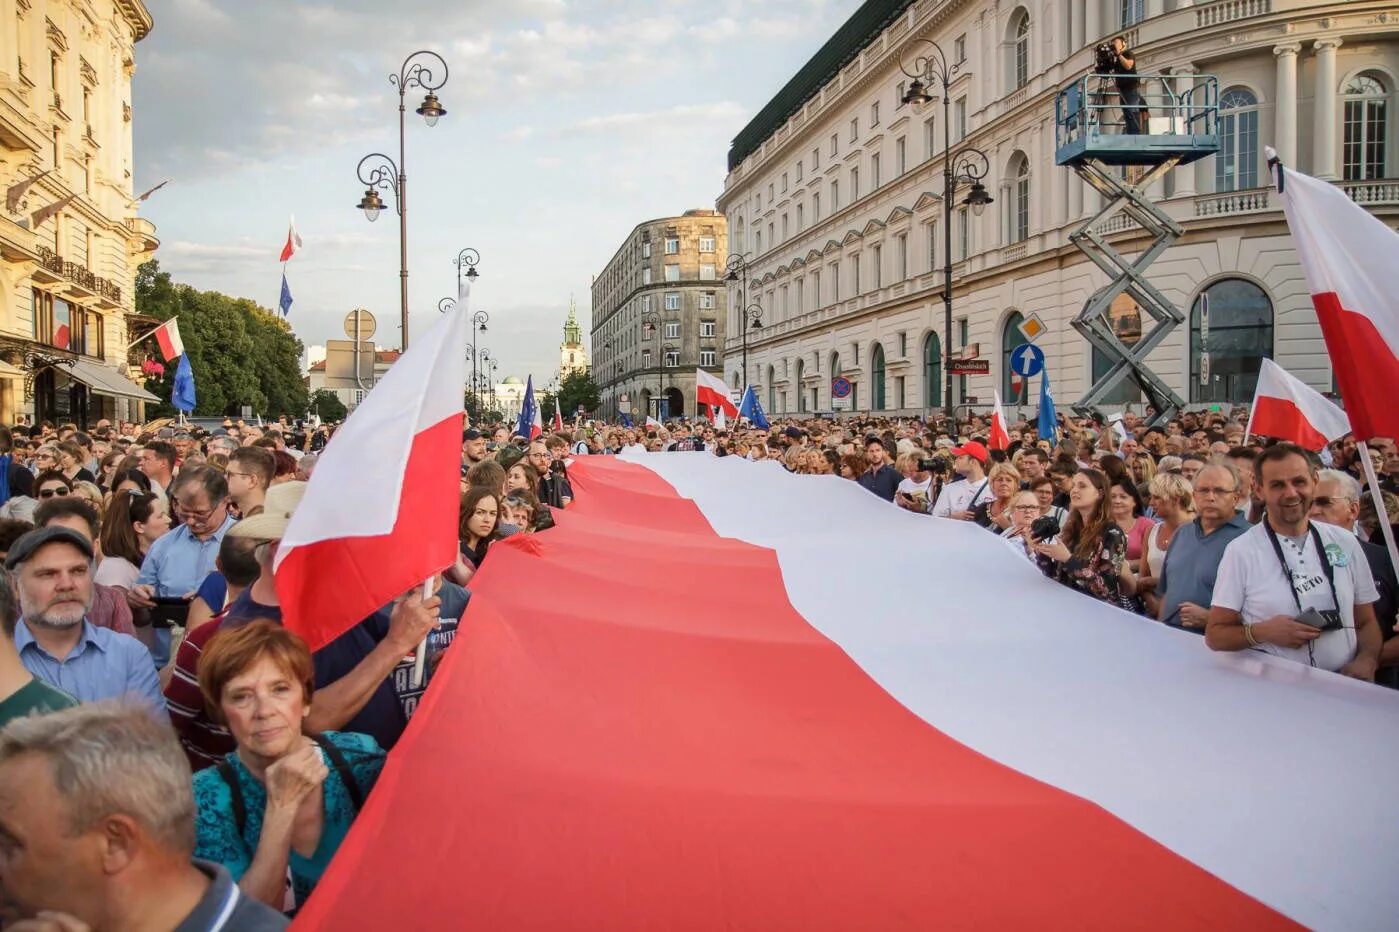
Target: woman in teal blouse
[{"x": 276, "y": 809}]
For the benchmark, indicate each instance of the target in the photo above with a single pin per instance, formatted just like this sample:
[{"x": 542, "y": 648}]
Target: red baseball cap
[{"x": 973, "y": 449}]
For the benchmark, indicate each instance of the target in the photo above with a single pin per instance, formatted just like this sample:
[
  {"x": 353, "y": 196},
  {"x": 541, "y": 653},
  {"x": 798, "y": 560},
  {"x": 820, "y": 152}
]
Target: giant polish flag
[
  {"x": 1351, "y": 261},
  {"x": 1286, "y": 407},
  {"x": 380, "y": 513},
  {"x": 711, "y": 390},
  {"x": 817, "y": 744}
]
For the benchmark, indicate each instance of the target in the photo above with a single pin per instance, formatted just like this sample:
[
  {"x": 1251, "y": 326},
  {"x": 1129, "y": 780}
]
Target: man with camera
[
  {"x": 958, "y": 499},
  {"x": 1116, "y": 59},
  {"x": 1293, "y": 587}
]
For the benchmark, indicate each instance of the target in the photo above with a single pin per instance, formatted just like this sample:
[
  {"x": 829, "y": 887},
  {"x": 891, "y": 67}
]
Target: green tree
[
  {"x": 241, "y": 353},
  {"x": 577, "y": 390},
  {"x": 328, "y": 405}
]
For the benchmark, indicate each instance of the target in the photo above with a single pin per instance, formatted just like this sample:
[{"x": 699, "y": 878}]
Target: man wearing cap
[
  {"x": 958, "y": 499},
  {"x": 881, "y": 478},
  {"x": 473, "y": 448},
  {"x": 52, "y": 570}
]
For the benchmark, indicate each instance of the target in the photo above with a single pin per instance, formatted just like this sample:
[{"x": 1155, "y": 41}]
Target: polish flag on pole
[
  {"x": 1351, "y": 262},
  {"x": 558, "y": 416},
  {"x": 1287, "y": 408},
  {"x": 711, "y": 390},
  {"x": 1000, "y": 437},
  {"x": 167, "y": 337},
  {"x": 398, "y": 458},
  {"x": 293, "y": 241}
]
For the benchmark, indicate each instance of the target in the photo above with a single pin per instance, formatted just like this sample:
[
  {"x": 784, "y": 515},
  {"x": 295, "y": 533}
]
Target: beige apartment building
[
  {"x": 70, "y": 237},
  {"x": 659, "y": 310},
  {"x": 835, "y": 191}
]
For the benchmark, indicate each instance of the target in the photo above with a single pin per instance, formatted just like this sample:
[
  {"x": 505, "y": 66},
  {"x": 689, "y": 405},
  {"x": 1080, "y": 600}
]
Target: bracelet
[{"x": 1248, "y": 635}]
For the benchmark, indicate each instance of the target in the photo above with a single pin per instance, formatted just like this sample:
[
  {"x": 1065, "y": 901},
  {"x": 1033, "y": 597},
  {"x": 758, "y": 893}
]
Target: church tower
[{"x": 572, "y": 356}]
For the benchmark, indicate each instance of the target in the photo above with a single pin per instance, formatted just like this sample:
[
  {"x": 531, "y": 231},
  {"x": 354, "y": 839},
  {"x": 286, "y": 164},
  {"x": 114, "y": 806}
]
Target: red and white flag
[
  {"x": 167, "y": 337},
  {"x": 806, "y": 746},
  {"x": 1287, "y": 408},
  {"x": 398, "y": 459},
  {"x": 293, "y": 241},
  {"x": 1000, "y": 436},
  {"x": 712, "y": 390},
  {"x": 1351, "y": 262},
  {"x": 558, "y": 417}
]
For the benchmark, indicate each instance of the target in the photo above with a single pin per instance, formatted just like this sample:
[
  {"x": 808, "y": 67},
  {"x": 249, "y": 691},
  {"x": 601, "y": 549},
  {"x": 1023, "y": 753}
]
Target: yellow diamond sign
[{"x": 1031, "y": 327}]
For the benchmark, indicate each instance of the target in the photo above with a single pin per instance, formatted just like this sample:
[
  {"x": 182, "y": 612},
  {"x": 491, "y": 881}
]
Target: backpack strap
[
  {"x": 235, "y": 792},
  {"x": 342, "y": 767}
]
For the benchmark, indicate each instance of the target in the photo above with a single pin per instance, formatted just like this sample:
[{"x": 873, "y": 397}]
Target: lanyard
[{"x": 1287, "y": 570}]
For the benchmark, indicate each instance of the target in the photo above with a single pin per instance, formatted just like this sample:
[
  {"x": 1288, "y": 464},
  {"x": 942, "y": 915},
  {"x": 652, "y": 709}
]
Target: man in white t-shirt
[
  {"x": 957, "y": 499},
  {"x": 1292, "y": 587}
]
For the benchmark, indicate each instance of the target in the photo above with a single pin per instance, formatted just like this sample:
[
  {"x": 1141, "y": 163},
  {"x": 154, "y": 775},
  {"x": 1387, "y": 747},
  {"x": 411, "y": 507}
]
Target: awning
[{"x": 105, "y": 381}]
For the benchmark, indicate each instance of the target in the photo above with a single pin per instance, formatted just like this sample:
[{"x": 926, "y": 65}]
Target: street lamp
[
  {"x": 466, "y": 259},
  {"x": 666, "y": 350},
  {"x": 737, "y": 265},
  {"x": 650, "y": 320},
  {"x": 753, "y": 313},
  {"x": 968, "y": 165},
  {"x": 419, "y": 70}
]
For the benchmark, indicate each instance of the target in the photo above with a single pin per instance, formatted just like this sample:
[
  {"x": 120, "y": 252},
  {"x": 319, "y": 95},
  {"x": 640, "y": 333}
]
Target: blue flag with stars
[
  {"x": 751, "y": 409},
  {"x": 1049, "y": 421},
  {"x": 183, "y": 395},
  {"x": 285, "y": 303}
]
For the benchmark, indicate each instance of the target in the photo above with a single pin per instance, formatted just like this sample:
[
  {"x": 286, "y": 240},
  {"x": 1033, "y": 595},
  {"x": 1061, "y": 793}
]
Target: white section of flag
[
  {"x": 1263, "y": 772},
  {"x": 1320, "y": 414},
  {"x": 713, "y": 391}
]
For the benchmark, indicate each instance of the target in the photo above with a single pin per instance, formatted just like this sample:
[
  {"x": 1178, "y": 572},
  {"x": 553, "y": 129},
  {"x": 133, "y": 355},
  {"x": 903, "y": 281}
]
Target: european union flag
[
  {"x": 285, "y": 303},
  {"x": 1049, "y": 421},
  {"x": 183, "y": 395},
  {"x": 626, "y": 419},
  {"x": 751, "y": 409}
]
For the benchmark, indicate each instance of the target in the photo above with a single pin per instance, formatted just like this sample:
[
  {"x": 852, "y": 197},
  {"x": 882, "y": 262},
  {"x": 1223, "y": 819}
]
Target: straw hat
[{"x": 271, "y": 523}]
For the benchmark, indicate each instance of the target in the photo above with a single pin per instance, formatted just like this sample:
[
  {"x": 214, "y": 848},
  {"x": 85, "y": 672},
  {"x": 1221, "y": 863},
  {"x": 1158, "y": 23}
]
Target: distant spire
[{"x": 572, "y": 333}]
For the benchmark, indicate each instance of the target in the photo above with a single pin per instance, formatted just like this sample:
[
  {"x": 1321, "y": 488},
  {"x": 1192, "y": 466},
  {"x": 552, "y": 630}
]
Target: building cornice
[{"x": 137, "y": 17}]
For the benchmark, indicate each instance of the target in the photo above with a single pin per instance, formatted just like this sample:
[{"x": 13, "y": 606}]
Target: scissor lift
[{"x": 1090, "y": 138}]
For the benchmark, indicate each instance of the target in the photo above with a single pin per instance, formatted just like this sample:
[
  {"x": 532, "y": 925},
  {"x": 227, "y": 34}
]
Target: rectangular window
[
  {"x": 835, "y": 148},
  {"x": 783, "y": 307},
  {"x": 959, "y": 115},
  {"x": 929, "y": 138},
  {"x": 772, "y": 238},
  {"x": 672, "y": 300},
  {"x": 784, "y": 182},
  {"x": 816, "y": 207},
  {"x": 1131, "y": 12},
  {"x": 816, "y": 159},
  {"x": 672, "y": 273},
  {"x": 672, "y": 330},
  {"x": 646, "y": 249},
  {"x": 706, "y": 271},
  {"x": 706, "y": 328},
  {"x": 706, "y": 301},
  {"x": 816, "y": 289},
  {"x": 706, "y": 357},
  {"x": 903, "y": 345},
  {"x": 854, "y": 184},
  {"x": 899, "y": 92},
  {"x": 757, "y": 239},
  {"x": 835, "y": 195},
  {"x": 959, "y": 49},
  {"x": 854, "y": 129},
  {"x": 672, "y": 360},
  {"x": 963, "y": 239},
  {"x": 672, "y": 245},
  {"x": 801, "y": 295},
  {"x": 877, "y": 266},
  {"x": 900, "y": 158},
  {"x": 706, "y": 244},
  {"x": 855, "y": 275},
  {"x": 799, "y": 171},
  {"x": 785, "y": 232},
  {"x": 771, "y": 195},
  {"x": 800, "y": 219},
  {"x": 835, "y": 282},
  {"x": 874, "y": 114},
  {"x": 930, "y": 239},
  {"x": 646, "y": 276},
  {"x": 645, "y": 358},
  {"x": 899, "y": 390},
  {"x": 901, "y": 256},
  {"x": 874, "y": 172},
  {"x": 646, "y": 303}
]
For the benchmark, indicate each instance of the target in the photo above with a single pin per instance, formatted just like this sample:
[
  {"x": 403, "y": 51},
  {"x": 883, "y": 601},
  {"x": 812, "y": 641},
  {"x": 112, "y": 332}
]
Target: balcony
[
  {"x": 1382, "y": 192},
  {"x": 82, "y": 283}
]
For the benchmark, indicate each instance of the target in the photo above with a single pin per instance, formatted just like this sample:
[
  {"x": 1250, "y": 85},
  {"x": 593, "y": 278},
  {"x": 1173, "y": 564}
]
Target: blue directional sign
[{"x": 1026, "y": 360}]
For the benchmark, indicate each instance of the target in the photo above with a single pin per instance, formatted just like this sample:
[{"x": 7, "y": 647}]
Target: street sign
[
  {"x": 1032, "y": 327},
  {"x": 840, "y": 387},
  {"x": 1026, "y": 360},
  {"x": 365, "y": 321},
  {"x": 971, "y": 367},
  {"x": 1204, "y": 338}
]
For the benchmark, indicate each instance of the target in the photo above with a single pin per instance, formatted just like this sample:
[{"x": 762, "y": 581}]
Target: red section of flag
[
  {"x": 715, "y": 399},
  {"x": 1000, "y": 437},
  {"x": 1367, "y": 370},
  {"x": 622, "y": 760},
  {"x": 167, "y": 337},
  {"x": 293, "y": 242},
  {"x": 322, "y": 584},
  {"x": 60, "y": 336},
  {"x": 558, "y": 417},
  {"x": 1281, "y": 418}
]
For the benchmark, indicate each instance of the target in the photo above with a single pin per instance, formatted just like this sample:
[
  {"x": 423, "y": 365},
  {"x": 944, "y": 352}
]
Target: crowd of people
[{"x": 171, "y": 756}]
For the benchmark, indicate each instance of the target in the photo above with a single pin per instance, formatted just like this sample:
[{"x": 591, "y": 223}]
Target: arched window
[
  {"x": 1231, "y": 332},
  {"x": 877, "y": 377},
  {"x": 932, "y": 372},
  {"x": 801, "y": 389},
  {"x": 1020, "y": 50},
  {"x": 1010, "y": 339},
  {"x": 1236, "y": 165},
  {"x": 1018, "y": 204},
  {"x": 1125, "y": 318},
  {"x": 1366, "y": 112},
  {"x": 772, "y": 389}
]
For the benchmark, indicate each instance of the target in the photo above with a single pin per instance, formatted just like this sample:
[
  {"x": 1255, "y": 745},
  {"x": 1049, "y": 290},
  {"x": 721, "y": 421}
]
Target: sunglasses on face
[{"x": 50, "y": 493}]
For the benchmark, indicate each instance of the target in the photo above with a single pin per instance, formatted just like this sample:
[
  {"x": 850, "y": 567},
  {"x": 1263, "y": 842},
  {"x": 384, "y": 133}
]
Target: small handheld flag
[
  {"x": 530, "y": 425},
  {"x": 1049, "y": 418},
  {"x": 751, "y": 409},
  {"x": 1000, "y": 436}
]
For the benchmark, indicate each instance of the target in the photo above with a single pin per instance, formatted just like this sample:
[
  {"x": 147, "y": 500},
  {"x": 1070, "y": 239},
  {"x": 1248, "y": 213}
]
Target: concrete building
[
  {"x": 70, "y": 237},
  {"x": 835, "y": 190},
  {"x": 510, "y": 397},
  {"x": 659, "y": 307},
  {"x": 573, "y": 356},
  {"x": 346, "y": 389}
]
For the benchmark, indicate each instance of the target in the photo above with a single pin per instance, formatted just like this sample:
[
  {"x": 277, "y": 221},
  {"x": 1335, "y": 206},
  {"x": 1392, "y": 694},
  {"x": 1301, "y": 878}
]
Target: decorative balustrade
[
  {"x": 79, "y": 274},
  {"x": 1227, "y": 11},
  {"x": 1233, "y": 202}
]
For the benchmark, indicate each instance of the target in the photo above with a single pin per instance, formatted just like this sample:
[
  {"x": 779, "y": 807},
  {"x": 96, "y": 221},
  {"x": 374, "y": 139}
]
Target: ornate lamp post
[
  {"x": 753, "y": 313},
  {"x": 378, "y": 172},
  {"x": 467, "y": 259},
  {"x": 737, "y": 265},
  {"x": 667, "y": 382},
  {"x": 968, "y": 165}
]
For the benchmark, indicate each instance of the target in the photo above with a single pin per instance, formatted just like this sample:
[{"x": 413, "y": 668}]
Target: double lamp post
[{"x": 750, "y": 316}]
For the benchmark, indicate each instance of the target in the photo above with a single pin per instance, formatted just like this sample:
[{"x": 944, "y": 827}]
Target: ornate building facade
[
  {"x": 659, "y": 307},
  {"x": 834, "y": 190},
  {"x": 573, "y": 356},
  {"x": 70, "y": 237}
]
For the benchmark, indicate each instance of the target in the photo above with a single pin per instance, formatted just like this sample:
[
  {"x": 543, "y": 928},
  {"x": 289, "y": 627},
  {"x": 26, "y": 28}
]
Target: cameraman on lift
[{"x": 1116, "y": 59}]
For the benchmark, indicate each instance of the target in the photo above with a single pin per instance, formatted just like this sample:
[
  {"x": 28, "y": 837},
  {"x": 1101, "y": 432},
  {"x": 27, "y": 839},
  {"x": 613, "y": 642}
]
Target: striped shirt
[{"x": 205, "y": 742}]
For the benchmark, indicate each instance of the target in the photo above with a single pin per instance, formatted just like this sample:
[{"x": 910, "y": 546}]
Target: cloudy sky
[{"x": 569, "y": 121}]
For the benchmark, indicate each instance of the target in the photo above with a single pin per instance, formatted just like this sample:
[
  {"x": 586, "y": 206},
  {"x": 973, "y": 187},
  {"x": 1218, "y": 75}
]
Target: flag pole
[
  {"x": 1378, "y": 497},
  {"x": 149, "y": 332},
  {"x": 420, "y": 657}
]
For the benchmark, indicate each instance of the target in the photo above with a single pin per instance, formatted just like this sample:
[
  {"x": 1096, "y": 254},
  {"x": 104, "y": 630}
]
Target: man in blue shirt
[
  {"x": 1186, "y": 586},
  {"x": 52, "y": 567},
  {"x": 178, "y": 562}
]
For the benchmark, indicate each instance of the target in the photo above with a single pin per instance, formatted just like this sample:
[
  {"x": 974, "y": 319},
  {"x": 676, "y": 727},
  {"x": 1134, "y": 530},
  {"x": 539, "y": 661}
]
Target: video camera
[
  {"x": 937, "y": 465},
  {"x": 1104, "y": 58}
]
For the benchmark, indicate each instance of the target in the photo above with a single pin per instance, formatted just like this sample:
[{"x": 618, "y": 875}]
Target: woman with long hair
[
  {"x": 1089, "y": 553},
  {"x": 107, "y": 468},
  {"x": 134, "y": 521},
  {"x": 480, "y": 523}
]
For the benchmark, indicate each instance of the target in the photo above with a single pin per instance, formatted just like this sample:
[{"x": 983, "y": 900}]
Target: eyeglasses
[
  {"x": 198, "y": 516},
  {"x": 1214, "y": 490},
  {"x": 50, "y": 493},
  {"x": 1025, "y": 508},
  {"x": 1326, "y": 501}
]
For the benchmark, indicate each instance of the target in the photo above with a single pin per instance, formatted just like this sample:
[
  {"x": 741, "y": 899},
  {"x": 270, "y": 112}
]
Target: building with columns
[
  {"x": 70, "y": 236},
  {"x": 659, "y": 307},
  {"x": 834, "y": 192}
]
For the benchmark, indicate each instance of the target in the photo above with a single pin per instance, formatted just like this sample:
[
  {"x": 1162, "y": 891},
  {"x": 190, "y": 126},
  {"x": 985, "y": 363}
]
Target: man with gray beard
[{"x": 52, "y": 572}]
